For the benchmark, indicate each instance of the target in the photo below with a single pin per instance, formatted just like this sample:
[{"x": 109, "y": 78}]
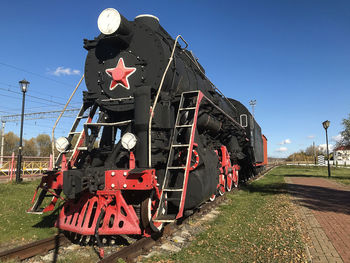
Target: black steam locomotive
[{"x": 159, "y": 140}]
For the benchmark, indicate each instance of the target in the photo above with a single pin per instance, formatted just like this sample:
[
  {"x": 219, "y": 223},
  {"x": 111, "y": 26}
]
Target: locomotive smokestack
[
  {"x": 110, "y": 21},
  {"x": 149, "y": 20}
]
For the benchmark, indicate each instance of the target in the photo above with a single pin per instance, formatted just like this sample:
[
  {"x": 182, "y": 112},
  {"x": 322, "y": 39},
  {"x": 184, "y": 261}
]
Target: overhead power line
[
  {"x": 32, "y": 91},
  {"x": 9, "y": 111},
  {"x": 31, "y": 100},
  {"x": 31, "y": 96},
  {"x": 35, "y": 74},
  {"x": 38, "y": 115}
]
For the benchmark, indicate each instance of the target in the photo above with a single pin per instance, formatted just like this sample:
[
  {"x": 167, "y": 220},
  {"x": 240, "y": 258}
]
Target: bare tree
[
  {"x": 30, "y": 148},
  {"x": 345, "y": 140},
  {"x": 312, "y": 150},
  {"x": 44, "y": 144},
  {"x": 11, "y": 143}
]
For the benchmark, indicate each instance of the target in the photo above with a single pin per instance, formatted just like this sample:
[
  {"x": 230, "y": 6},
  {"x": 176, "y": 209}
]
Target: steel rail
[{"x": 34, "y": 248}]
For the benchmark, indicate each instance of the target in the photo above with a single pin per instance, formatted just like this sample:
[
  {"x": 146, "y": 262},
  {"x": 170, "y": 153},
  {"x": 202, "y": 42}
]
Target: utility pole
[
  {"x": 252, "y": 103},
  {"x": 314, "y": 148},
  {"x": 2, "y": 144}
]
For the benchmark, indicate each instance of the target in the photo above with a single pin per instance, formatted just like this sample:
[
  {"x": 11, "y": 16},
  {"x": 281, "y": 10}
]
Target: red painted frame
[
  {"x": 52, "y": 183},
  {"x": 127, "y": 180},
  {"x": 120, "y": 218},
  {"x": 81, "y": 217}
]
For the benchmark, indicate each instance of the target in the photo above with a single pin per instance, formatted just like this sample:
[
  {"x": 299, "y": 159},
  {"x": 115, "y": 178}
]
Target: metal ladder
[
  {"x": 77, "y": 147},
  {"x": 46, "y": 185},
  {"x": 176, "y": 174}
]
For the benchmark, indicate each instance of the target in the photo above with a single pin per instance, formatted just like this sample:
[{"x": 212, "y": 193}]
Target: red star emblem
[{"x": 120, "y": 75}]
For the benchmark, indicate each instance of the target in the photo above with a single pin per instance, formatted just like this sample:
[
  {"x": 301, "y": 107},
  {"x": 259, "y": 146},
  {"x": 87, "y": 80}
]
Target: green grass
[
  {"x": 256, "y": 225},
  {"x": 340, "y": 175},
  {"x": 16, "y": 226}
]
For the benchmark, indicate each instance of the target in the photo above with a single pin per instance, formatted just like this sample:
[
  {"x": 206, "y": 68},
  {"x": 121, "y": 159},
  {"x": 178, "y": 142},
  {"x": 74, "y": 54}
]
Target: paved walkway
[{"x": 324, "y": 209}]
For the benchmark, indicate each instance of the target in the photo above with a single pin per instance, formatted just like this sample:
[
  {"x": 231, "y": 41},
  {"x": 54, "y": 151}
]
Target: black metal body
[{"x": 145, "y": 48}]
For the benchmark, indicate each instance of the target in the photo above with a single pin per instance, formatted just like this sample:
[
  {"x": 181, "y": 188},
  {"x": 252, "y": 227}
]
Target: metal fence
[
  {"x": 30, "y": 165},
  {"x": 340, "y": 164}
]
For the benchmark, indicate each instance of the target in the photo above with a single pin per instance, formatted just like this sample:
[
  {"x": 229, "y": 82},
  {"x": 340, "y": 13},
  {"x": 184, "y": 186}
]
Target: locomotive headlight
[
  {"x": 62, "y": 144},
  {"x": 129, "y": 141},
  {"x": 109, "y": 21}
]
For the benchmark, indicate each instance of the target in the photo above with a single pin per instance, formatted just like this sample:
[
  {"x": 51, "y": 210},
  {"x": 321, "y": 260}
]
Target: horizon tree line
[
  {"x": 311, "y": 151},
  {"x": 39, "y": 146}
]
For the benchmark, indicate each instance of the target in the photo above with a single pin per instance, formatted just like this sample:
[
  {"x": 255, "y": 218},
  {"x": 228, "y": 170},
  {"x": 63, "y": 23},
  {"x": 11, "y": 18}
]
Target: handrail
[
  {"x": 223, "y": 112},
  {"x": 156, "y": 98},
  {"x": 119, "y": 123},
  {"x": 59, "y": 117}
]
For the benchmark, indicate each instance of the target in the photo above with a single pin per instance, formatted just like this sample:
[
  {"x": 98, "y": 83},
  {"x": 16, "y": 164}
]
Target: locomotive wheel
[
  {"x": 222, "y": 185},
  {"x": 194, "y": 159},
  {"x": 235, "y": 178},
  {"x": 212, "y": 198},
  {"x": 148, "y": 211},
  {"x": 229, "y": 182}
]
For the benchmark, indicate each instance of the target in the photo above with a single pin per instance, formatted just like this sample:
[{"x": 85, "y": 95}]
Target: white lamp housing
[
  {"x": 109, "y": 21},
  {"x": 129, "y": 141},
  {"x": 62, "y": 144}
]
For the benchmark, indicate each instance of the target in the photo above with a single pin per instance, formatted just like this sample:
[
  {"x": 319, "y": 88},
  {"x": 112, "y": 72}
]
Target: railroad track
[
  {"x": 34, "y": 248},
  {"x": 128, "y": 253}
]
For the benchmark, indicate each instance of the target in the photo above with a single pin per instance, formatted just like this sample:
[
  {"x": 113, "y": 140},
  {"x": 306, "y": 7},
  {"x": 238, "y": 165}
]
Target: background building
[{"x": 342, "y": 154}]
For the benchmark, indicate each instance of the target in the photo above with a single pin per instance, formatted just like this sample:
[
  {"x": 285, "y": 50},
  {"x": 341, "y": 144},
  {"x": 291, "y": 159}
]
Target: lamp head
[
  {"x": 24, "y": 85},
  {"x": 326, "y": 124}
]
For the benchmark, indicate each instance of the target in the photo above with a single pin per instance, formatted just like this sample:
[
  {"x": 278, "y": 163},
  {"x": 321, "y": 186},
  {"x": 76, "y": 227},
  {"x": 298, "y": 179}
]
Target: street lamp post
[
  {"x": 23, "y": 85},
  {"x": 325, "y": 126},
  {"x": 252, "y": 103}
]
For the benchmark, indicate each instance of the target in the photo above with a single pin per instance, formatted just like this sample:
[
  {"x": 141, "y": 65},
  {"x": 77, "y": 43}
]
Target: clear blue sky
[{"x": 292, "y": 56}]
